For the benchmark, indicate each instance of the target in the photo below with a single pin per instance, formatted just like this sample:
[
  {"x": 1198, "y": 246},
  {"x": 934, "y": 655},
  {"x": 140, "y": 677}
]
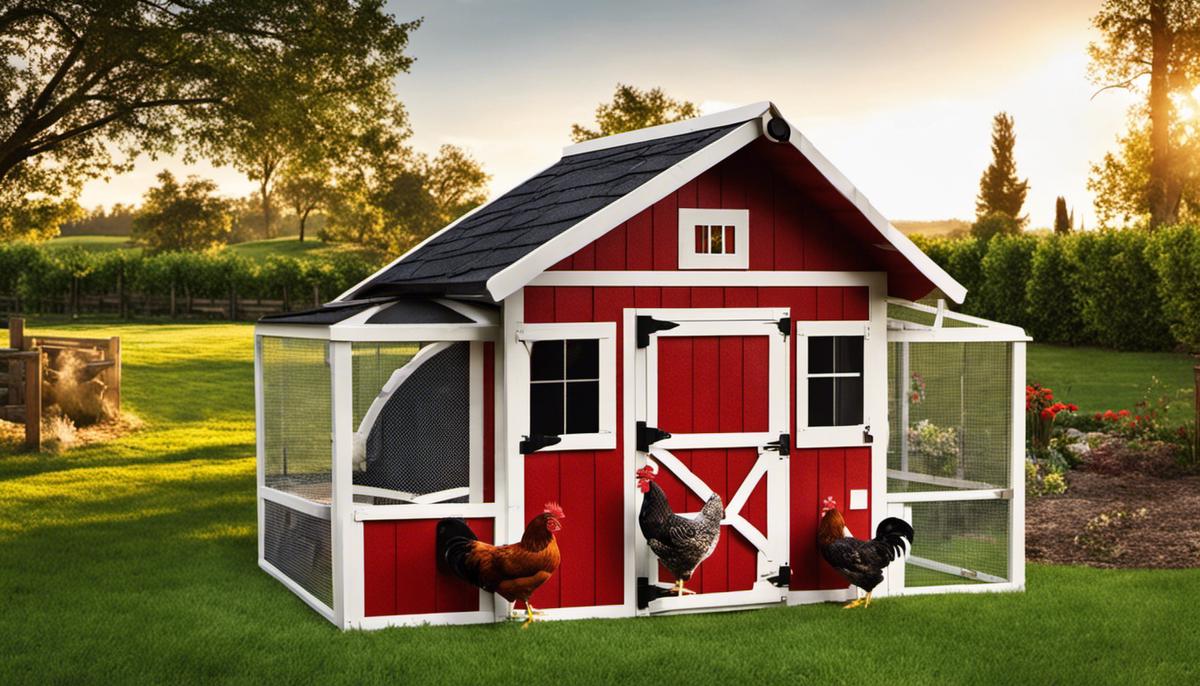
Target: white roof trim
[
  {"x": 516, "y": 275},
  {"x": 711, "y": 121}
]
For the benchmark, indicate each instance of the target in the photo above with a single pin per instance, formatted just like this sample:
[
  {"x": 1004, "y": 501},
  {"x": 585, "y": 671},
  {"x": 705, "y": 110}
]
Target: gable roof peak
[{"x": 736, "y": 115}]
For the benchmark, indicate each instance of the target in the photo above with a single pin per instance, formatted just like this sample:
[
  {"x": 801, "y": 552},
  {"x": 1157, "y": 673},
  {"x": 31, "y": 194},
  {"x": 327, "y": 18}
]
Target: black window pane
[
  {"x": 583, "y": 359},
  {"x": 546, "y": 361},
  {"x": 545, "y": 409},
  {"x": 849, "y": 354},
  {"x": 849, "y": 401},
  {"x": 820, "y": 402},
  {"x": 820, "y": 354},
  {"x": 583, "y": 407}
]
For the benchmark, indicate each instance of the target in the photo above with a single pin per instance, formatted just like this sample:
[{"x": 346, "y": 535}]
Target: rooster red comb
[
  {"x": 828, "y": 504},
  {"x": 555, "y": 510}
]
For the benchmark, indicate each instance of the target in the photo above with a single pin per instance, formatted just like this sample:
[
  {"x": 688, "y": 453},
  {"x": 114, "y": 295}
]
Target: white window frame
[
  {"x": 824, "y": 436},
  {"x": 690, "y": 259},
  {"x": 604, "y": 332}
]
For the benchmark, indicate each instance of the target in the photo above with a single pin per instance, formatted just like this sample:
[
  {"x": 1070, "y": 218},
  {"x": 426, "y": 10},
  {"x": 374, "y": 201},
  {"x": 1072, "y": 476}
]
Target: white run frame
[
  {"x": 772, "y": 548},
  {"x": 969, "y": 330}
]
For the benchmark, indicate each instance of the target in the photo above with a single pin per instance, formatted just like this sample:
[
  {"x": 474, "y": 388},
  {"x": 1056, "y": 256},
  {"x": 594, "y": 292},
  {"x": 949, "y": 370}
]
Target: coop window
[
  {"x": 835, "y": 380},
  {"x": 714, "y": 239},
  {"x": 572, "y": 391}
]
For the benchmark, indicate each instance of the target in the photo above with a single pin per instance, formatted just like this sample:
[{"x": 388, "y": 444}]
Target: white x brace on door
[{"x": 717, "y": 381}]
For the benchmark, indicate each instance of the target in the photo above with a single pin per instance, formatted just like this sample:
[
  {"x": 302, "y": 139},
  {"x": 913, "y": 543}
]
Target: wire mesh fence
[
  {"x": 299, "y": 545},
  {"x": 950, "y": 409},
  {"x": 297, "y": 417},
  {"x": 412, "y": 419},
  {"x": 959, "y": 542}
]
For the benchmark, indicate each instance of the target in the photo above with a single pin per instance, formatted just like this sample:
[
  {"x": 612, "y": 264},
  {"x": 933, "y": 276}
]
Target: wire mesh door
[{"x": 718, "y": 387}]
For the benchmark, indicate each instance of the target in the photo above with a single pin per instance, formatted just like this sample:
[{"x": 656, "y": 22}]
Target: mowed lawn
[
  {"x": 134, "y": 562},
  {"x": 259, "y": 251},
  {"x": 1097, "y": 379}
]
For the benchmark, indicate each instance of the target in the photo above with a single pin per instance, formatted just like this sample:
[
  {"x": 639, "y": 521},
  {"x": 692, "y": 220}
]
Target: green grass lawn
[
  {"x": 1097, "y": 379},
  {"x": 134, "y": 562}
]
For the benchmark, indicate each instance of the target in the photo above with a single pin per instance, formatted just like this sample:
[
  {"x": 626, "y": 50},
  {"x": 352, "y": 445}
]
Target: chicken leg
[
  {"x": 680, "y": 590},
  {"x": 865, "y": 601}
]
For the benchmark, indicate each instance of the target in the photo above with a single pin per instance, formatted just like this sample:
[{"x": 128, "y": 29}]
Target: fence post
[
  {"x": 16, "y": 333},
  {"x": 33, "y": 401}
]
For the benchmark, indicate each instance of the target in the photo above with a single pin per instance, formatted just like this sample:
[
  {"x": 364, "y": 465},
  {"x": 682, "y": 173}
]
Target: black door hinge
[
  {"x": 647, "y": 325},
  {"x": 534, "y": 443},
  {"x": 785, "y": 326},
  {"x": 647, "y": 592},
  {"x": 867, "y": 437},
  {"x": 647, "y": 435},
  {"x": 783, "y": 446},
  {"x": 783, "y": 578}
]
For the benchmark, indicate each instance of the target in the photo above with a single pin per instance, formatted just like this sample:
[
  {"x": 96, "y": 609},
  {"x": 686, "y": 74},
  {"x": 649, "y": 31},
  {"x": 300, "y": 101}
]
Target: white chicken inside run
[
  {"x": 331, "y": 385},
  {"x": 331, "y": 382}
]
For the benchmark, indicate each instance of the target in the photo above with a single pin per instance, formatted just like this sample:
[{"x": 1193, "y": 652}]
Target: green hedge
[
  {"x": 1130, "y": 290},
  {"x": 37, "y": 275}
]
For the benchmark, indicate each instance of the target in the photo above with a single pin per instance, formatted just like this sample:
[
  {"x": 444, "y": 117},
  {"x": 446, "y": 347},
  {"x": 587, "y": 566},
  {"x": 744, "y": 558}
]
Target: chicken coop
[{"x": 711, "y": 294}]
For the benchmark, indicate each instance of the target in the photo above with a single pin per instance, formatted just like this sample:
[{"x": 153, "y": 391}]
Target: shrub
[
  {"x": 1104, "y": 535},
  {"x": 995, "y": 224},
  {"x": 1051, "y": 303},
  {"x": 1117, "y": 291},
  {"x": 933, "y": 449},
  {"x": 1006, "y": 272},
  {"x": 1174, "y": 253}
]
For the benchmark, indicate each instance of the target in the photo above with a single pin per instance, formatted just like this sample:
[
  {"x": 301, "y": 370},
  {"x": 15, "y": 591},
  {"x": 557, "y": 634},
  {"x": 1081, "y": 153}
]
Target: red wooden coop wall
[
  {"x": 589, "y": 484},
  {"x": 787, "y": 231}
]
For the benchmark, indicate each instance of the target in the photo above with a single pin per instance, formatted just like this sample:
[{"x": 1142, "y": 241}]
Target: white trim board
[{"x": 711, "y": 121}]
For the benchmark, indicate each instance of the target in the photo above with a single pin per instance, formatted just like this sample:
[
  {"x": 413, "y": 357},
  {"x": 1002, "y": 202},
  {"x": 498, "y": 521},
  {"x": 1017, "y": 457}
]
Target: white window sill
[
  {"x": 831, "y": 436},
  {"x": 598, "y": 441}
]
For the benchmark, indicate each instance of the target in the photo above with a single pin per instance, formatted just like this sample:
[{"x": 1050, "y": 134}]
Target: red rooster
[
  {"x": 861, "y": 562},
  {"x": 514, "y": 571}
]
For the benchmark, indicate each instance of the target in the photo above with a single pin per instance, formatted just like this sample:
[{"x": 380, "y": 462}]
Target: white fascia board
[
  {"x": 711, "y": 121},
  {"x": 938, "y": 276},
  {"x": 524, "y": 270},
  {"x": 420, "y": 245}
]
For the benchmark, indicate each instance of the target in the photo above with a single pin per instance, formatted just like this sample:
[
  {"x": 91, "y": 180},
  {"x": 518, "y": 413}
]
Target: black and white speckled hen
[
  {"x": 680, "y": 543},
  {"x": 861, "y": 562}
]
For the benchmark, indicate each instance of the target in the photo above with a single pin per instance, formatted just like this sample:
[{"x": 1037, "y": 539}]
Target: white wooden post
[
  {"x": 259, "y": 443},
  {"x": 347, "y": 534},
  {"x": 511, "y": 523},
  {"x": 1016, "y": 530}
]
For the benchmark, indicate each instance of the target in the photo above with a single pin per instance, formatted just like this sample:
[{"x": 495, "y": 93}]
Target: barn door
[{"x": 712, "y": 411}]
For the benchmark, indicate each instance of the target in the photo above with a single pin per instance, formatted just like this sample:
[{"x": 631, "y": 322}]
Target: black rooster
[
  {"x": 861, "y": 562},
  {"x": 680, "y": 543}
]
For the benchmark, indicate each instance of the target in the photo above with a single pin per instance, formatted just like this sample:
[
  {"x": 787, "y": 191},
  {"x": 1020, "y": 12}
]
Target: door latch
[{"x": 783, "y": 446}]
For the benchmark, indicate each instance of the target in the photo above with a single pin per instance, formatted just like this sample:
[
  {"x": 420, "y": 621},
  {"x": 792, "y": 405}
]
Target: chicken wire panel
[
  {"x": 373, "y": 364},
  {"x": 299, "y": 545},
  {"x": 958, "y": 542},
  {"x": 297, "y": 417},
  {"x": 950, "y": 415},
  {"x": 419, "y": 439}
]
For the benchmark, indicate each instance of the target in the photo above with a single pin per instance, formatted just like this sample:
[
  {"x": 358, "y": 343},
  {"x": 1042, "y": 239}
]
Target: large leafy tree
[
  {"x": 1000, "y": 191},
  {"x": 632, "y": 109},
  {"x": 82, "y": 81},
  {"x": 1151, "y": 47},
  {"x": 182, "y": 216}
]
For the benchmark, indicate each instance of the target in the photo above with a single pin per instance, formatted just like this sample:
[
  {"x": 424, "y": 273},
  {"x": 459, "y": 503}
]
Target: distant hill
[{"x": 938, "y": 227}]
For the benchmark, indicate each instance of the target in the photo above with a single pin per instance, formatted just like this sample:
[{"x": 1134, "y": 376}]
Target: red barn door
[{"x": 717, "y": 382}]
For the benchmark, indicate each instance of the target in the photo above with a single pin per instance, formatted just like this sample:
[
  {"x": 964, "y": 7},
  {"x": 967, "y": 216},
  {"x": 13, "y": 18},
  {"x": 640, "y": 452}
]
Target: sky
[{"x": 899, "y": 95}]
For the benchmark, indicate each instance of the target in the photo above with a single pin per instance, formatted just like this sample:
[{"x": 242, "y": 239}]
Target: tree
[
  {"x": 304, "y": 188},
  {"x": 999, "y": 189},
  {"x": 399, "y": 198},
  {"x": 187, "y": 216},
  {"x": 632, "y": 109},
  {"x": 1150, "y": 47},
  {"x": 1062, "y": 220},
  {"x": 82, "y": 79},
  {"x": 995, "y": 224}
]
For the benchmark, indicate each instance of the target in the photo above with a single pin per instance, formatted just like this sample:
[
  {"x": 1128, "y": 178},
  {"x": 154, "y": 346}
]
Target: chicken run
[{"x": 682, "y": 369}]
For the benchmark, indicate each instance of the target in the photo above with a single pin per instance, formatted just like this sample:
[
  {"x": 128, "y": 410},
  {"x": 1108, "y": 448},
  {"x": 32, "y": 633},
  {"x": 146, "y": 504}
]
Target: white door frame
[{"x": 773, "y": 548}]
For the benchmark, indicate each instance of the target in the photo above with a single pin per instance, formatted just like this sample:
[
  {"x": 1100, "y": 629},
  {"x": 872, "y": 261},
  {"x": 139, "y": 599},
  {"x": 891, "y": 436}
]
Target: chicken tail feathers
[
  {"x": 455, "y": 540},
  {"x": 891, "y": 533}
]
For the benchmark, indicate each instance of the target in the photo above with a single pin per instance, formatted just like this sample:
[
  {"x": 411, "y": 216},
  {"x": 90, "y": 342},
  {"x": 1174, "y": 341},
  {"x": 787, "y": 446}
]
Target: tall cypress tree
[
  {"x": 1000, "y": 191},
  {"x": 1062, "y": 220}
]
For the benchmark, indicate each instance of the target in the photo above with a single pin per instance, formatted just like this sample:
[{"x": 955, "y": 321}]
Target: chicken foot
[
  {"x": 865, "y": 601},
  {"x": 680, "y": 590},
  {"x": 529, "y": 614}
]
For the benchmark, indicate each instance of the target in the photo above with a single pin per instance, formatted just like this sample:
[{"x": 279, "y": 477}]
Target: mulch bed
[{"x": 1168, "y": 537}]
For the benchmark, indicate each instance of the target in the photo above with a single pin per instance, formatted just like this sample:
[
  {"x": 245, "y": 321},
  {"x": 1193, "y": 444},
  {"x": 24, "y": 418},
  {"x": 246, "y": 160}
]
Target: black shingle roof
[{"x": 462, "y": 259}]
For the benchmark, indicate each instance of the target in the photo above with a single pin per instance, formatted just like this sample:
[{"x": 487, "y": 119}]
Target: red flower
[
  {"x": 1047, "y": 414},
  {"x": 916, "y": 397},
  {"x": 1073, "y": 407},
  {"x": 1123, "y": 413}
]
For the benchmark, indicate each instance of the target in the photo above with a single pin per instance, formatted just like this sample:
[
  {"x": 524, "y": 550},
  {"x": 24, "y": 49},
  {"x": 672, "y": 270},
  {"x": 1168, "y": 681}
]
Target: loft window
[
  {"x": 572, "y": 383},
  {"x": 835, "y": 380},
  {"x": 564, "y": 387},
  {"x": 714, "y": 239}
]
